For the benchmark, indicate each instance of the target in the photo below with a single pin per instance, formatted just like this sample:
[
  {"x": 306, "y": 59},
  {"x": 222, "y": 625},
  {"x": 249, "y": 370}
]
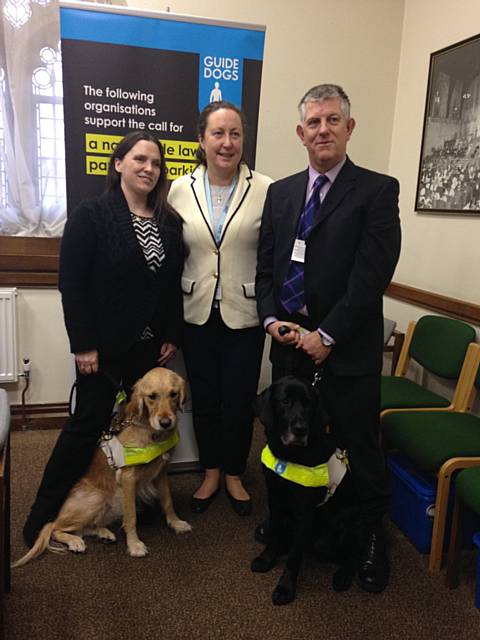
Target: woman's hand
[
  {"x": 87, "y": 362},
  {"x": 167, "y": 351}
]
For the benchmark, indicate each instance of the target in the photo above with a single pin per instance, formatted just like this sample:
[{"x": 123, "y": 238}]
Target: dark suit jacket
[
  {"x": 350, "y": 258},
  {"x": 109, "y": 294}
]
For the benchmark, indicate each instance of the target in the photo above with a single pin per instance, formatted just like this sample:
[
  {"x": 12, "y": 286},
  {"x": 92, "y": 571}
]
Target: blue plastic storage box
[{"x": 412, "y": 504}]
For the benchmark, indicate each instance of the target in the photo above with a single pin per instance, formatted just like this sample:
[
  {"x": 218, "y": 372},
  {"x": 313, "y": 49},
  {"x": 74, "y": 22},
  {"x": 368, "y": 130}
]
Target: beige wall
[
  {"x": 43, "y": 339},
  {"x": 440, "y": 253},
  {"x": 380, "y": 53},
  {"x": 355, "y": 43}
]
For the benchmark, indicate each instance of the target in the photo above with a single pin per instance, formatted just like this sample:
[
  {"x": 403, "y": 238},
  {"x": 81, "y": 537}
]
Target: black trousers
[
  {"x": 74, "y": 449},
  {"x": 353, "y": 406},
  {"x": 223, "y": 367}
]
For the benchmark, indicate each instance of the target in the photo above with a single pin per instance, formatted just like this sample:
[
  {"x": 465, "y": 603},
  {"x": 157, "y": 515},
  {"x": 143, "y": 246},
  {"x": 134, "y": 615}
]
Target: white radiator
[{"x": 8, "y": 335}]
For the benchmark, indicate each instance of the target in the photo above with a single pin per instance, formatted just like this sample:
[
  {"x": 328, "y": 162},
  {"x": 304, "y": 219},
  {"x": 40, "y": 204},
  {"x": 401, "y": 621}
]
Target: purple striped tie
[{"x": 292, "y": 295}]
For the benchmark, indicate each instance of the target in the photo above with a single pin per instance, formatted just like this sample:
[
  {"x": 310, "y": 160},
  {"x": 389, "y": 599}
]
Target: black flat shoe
[
  {"x": 199, "y": 505},
  {"x": 241, "y": 507}
]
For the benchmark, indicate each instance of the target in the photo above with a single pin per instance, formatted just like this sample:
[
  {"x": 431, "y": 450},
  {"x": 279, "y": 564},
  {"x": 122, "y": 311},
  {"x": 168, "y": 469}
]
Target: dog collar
[
  {"x": 328, "y": 474},
  {"x": 119, "y": 455}
]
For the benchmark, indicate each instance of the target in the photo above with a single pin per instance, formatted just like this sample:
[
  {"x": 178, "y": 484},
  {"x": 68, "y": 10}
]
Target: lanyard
[{"x": 218, "y": 229}]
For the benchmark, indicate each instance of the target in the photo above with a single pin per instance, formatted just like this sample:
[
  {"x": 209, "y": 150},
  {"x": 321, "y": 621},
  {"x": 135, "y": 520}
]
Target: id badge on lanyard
[{"x": 298, "y": 253}]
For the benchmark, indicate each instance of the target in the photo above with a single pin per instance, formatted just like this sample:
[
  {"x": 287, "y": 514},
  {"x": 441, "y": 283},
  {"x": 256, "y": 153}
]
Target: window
[
  {"x": 48, "y": 91},
  {"x": 32, "y": 155}
]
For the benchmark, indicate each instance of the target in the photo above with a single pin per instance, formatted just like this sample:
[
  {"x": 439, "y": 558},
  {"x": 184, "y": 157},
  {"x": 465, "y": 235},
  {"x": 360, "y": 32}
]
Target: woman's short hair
[
  {"x": 203, "y": 124},
  {"x": 157, "y": 198}
]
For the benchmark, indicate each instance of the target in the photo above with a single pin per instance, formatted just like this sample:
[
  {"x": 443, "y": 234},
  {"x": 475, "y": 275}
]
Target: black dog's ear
[{"x": 263, "y": 407}]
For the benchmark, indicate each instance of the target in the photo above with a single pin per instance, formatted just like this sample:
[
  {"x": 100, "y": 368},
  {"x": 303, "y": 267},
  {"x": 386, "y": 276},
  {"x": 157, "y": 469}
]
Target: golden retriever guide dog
[{"x": 104, "y": 493}]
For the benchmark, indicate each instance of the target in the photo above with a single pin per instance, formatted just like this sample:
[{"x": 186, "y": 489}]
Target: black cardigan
[{"x": 109, "y": 294}]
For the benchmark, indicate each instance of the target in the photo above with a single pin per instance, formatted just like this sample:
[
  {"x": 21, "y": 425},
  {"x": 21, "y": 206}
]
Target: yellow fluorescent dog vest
[
  {"x": 119, "y": 456},
  {"x": 328, "y": 474}
]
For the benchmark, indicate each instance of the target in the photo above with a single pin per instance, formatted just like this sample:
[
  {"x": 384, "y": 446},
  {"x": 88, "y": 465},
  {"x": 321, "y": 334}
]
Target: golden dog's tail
[{"x": 41, "y": 543}]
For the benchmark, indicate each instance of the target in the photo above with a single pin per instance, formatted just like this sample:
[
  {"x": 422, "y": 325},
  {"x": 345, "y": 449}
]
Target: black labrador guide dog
[{"x": 300, "y": 517}]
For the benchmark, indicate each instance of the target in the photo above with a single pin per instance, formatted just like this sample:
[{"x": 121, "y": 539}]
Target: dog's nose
[
  {"x": 299, "y": 429},
  {"x": 165, "y": 422}
]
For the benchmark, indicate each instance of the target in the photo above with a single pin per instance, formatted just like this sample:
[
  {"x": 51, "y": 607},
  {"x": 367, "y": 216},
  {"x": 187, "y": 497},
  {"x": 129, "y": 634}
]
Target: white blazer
[{"x": 234, "y": 260}]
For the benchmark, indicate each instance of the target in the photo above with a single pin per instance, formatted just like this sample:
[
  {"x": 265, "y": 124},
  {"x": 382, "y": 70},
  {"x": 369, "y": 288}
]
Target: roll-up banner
[{"x": 127, "y": 70}]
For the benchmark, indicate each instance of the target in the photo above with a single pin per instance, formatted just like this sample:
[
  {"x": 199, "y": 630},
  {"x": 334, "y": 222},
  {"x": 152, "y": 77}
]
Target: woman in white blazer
[{"x": 221, "y": 205}]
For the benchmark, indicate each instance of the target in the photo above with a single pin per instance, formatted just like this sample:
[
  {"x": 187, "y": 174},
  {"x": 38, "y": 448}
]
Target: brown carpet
[{"x": 199, "y": 585}]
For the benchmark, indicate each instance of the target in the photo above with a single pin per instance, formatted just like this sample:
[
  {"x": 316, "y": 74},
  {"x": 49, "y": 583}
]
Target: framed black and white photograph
[{"x": 449, "y": 171}]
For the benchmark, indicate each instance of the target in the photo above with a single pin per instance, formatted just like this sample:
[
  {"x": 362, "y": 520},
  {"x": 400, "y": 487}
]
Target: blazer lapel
[
  {"x": 293, "y": 207},
  {"x": 343, "y": 184},
  {"x": 243, "y": 187},
  {"x": 198, "y": 189}
]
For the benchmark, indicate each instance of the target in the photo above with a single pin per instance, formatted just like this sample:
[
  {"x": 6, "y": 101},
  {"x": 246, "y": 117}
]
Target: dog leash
[
  {"x": 102, "y": 372},
  {"x": 317, "y": 376}
]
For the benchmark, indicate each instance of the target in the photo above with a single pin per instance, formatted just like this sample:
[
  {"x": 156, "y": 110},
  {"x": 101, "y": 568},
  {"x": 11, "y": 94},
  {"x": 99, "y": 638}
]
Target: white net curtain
[{"x": 32, "y": 153}]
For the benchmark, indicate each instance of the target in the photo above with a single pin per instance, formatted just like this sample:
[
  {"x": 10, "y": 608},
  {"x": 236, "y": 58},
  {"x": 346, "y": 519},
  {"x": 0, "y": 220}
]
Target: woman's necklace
[
  {"x": 142, "y": 213},
  {"x": 220, "y": 194}
]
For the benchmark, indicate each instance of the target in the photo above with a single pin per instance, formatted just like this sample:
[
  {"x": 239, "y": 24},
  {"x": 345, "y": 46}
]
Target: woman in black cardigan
[{"x": 121, "y": 261}]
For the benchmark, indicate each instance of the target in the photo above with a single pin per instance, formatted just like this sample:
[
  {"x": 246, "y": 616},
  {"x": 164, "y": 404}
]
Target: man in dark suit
[{"x": 329, "y": 243}]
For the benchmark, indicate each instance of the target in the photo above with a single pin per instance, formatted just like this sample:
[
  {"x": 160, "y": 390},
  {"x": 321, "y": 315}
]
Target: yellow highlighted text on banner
[
  {"x": 174, "y": 149},
  {"x": 98, "y": 143},
  {"x": 180, "y": 150},
  {"x": 178, "y": 169},
  {"x": 98, "y": 166},
  {"x": 99, "y": 146}
]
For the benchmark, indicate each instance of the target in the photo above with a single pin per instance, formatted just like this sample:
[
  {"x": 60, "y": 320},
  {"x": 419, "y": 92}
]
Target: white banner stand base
[{"x": 185, "y": 456}]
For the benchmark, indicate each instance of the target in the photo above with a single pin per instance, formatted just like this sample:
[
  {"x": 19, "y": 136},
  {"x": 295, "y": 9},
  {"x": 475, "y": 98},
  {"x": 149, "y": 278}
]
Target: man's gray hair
[{"x": 322, "y": 92}]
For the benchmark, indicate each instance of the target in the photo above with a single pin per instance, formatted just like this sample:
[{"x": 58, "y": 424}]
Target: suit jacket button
[{"x": 215, "y": 275}]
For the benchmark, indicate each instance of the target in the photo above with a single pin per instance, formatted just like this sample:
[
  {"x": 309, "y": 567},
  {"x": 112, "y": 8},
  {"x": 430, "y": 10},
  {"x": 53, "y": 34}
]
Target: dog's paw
[
  {"x": 137, "y": 549},
  {"x": 180, "y": 526},
  {"x": 106, "y": 536},
  {"x": 262, "y": 563},
  {"x": 76, "y": 544},
  {"x": 283, "y": 594}
]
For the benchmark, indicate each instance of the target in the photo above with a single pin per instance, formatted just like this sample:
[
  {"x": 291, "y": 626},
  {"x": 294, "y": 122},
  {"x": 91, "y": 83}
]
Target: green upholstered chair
[
  {"x": 467, "y": 493},
  {"x": 442, "y": 347},
  {"x": 440, "y": 443},
  {"x": 392, "y": 341}
]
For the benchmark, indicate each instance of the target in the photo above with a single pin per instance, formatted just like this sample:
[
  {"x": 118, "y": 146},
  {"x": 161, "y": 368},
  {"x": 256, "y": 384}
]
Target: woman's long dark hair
[
  {"x": 157, "y": 198},
  {"x": 203, "y": 124}
]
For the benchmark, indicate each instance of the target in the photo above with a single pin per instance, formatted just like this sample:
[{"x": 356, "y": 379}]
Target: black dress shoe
[
  {"x": 373, "y": 567},
  {"x": 261, "y": 532},
  {"x": 241, "y": 507},
  {"x": 199, "y": 505}
]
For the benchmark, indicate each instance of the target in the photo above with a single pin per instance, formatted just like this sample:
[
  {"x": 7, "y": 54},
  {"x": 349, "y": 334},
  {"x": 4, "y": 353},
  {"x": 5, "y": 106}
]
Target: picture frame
[{"x": 449, "y": 168}]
